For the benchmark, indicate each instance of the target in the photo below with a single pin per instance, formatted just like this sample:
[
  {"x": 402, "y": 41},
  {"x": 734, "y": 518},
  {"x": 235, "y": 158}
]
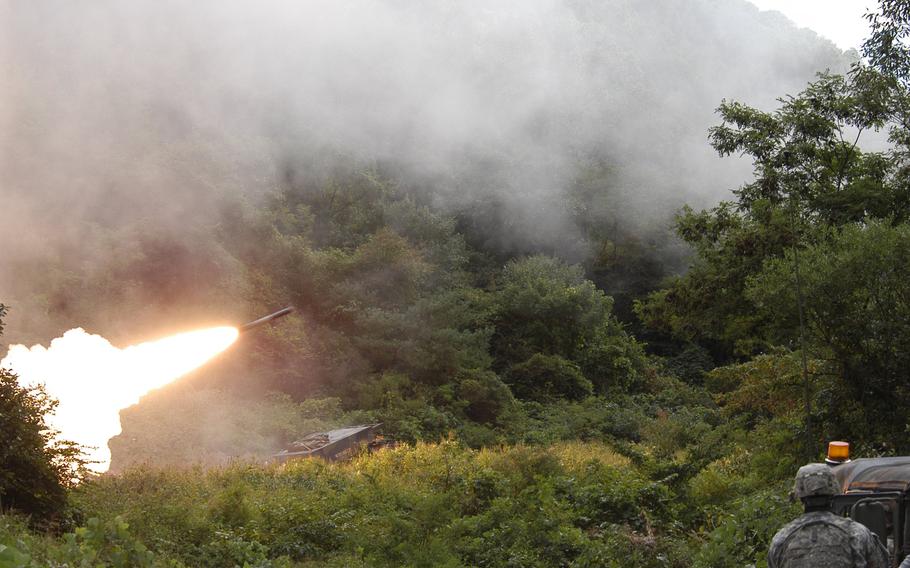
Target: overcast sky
[{"x": 841, "y": 21}]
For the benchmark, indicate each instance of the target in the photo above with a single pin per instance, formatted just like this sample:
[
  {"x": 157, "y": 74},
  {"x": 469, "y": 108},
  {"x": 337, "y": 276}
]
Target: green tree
[
  {"x": 546, "y": 307},
  {"x": 484, "y": 395},
  {"x": 810, "y": 174},
  {"x": 548, "y": 377},
  {"x": 856, "y": 289},
  {"x": 887, "y": 51},
  {"x": 886, "y": 47}
]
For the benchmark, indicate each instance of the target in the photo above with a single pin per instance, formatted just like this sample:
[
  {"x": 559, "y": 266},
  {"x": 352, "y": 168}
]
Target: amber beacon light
[{"x": 838, "y": 452}]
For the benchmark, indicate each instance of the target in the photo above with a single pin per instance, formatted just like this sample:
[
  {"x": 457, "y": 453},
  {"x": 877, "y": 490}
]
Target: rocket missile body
[{"x": 264, "y": 320}]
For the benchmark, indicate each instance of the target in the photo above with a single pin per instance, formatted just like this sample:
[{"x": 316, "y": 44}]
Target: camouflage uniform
[
  {"x": 819, "y": 537},
  {"x": 828, "y": 540}
]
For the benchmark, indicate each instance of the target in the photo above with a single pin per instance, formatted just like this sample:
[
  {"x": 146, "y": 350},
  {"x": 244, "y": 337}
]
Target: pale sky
[{"x": 841, "y": 21}]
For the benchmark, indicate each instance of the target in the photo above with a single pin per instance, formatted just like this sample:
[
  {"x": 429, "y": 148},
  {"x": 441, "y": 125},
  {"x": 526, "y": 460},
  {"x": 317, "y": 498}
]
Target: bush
[
  {"x": 98, "y": 543},
  {"x": 593, "y": 418},
  {"x": 742, "y": 536},
  {"x": 548, "y": 377},
  {"x": 484, "y": 394},
  {"x": 424, "y": 505}
]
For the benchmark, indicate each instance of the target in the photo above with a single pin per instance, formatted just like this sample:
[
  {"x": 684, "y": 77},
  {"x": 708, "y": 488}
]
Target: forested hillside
[{"x": 588, "y": 353}]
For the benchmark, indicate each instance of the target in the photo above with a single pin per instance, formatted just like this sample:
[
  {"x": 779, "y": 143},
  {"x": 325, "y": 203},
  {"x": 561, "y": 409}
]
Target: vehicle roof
[
  {"x": 317, "y": 441},
  {"x": 874, "y": 474}
]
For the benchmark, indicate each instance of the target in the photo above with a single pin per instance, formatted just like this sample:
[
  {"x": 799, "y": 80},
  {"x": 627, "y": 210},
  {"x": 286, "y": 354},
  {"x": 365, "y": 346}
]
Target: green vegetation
[
  {"x": 537, "y": 425},
  {"x": 569, "y": 504}
]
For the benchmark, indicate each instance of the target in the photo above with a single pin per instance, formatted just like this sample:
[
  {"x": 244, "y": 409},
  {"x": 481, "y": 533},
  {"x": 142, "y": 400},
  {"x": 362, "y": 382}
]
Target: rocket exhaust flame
[{"x": 93, "y": 380}]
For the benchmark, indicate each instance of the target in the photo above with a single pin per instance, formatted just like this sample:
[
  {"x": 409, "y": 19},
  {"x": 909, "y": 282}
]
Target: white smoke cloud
[
  {"x": 163, "y": 105},
  {"x": 92, "y": 380}
]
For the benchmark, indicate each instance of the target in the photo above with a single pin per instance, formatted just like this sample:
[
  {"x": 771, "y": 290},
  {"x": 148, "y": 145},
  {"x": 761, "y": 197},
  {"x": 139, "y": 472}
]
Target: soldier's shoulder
[
  {"x": 842, "y": 536},
  {"x": 785, "y": 531},
  {"x": 814, "y": 517},
  {"x": 847, "y": 525}
]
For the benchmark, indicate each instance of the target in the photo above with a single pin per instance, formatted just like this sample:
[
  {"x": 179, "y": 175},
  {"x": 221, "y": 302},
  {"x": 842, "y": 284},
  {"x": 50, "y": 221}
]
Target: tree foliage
[
  {"x": 857, "y": 301},
  {"x": 811, "y": 175},
  {"x": 548, "y": 310}
]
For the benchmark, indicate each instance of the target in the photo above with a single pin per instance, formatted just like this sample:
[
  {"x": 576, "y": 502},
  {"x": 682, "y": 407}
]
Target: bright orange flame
[{"x": 93, "y": 380}]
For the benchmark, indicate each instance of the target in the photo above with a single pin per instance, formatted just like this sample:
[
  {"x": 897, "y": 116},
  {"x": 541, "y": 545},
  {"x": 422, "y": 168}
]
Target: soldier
[{"x": 819, "y": 537}]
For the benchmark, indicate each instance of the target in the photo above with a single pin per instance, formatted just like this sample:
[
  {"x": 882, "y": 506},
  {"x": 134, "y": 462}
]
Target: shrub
[
  {"x": 424, "y": 505},
  {"x": 742, "y": 536},
  {"x": 548, "y": 377}
]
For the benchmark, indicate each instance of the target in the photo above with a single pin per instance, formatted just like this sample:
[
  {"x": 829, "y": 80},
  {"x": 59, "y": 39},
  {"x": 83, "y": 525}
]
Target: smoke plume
[{"x": 146, "y": 116}]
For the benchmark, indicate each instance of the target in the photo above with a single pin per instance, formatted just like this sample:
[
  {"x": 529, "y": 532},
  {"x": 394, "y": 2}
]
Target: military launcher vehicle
[
  {"x": 334, "y": 445},
  {"x": 876, "y": 493}
]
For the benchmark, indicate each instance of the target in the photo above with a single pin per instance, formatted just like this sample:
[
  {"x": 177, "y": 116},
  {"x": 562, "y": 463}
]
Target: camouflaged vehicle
[{"x": 876, "y": 493}]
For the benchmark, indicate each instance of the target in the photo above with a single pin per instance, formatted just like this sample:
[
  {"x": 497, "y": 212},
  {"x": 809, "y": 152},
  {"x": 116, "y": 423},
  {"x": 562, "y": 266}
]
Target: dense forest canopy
[{"x": 595, "y": 343}]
